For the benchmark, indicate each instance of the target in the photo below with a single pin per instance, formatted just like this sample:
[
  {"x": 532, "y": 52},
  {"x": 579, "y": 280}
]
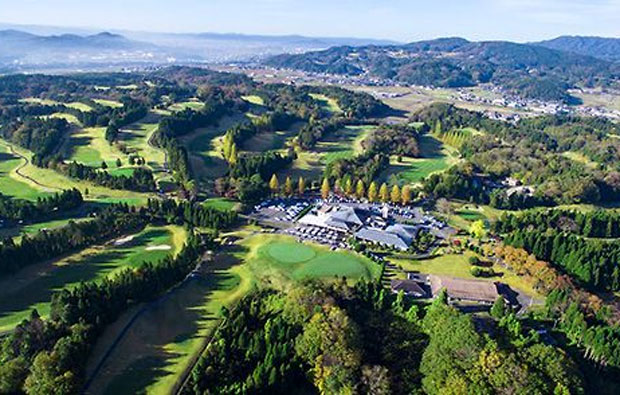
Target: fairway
[
  {"x": 10, "y": 182},
  {"x": 136, "y": 138},
  {"x": 32, "y": 287},
  {"x": 192, "y": 105},
  {"x": 436, "y": 157},
  {"x": 89, "y": 146},
  {"x": 278, "y": 260},
  {"x": 327, "y": 103},
  {"x": 221, "y": 204}
]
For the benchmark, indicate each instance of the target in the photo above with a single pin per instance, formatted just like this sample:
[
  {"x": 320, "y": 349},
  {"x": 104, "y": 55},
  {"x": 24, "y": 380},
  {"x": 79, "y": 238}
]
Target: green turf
[
  {"x": 10, "y": 185},
  {"x": 435, "y": 158},
  {"x": 193, "y": 105},
  {"x": 32, "y": 287},
  {"x": 253, "y": 99},
  {"x": 328, "y": 104},
  {"x": 108, "y": 103},
  {"x": 79, "y": 106},
  {"x": 277, "y": 260},
  {"x": 221, "y": 204}
]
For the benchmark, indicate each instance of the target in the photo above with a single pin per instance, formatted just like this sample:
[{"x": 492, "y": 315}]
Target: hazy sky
[{"x": 404, "y": 20}]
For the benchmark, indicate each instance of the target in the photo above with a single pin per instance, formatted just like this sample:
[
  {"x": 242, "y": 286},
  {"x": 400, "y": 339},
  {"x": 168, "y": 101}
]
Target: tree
[
  {"x": 233, "y": 156},
  {"x": 301, "y": 186},
  {"x": 325, "y": 188},
  {"x": 499, "y": 308},
  {"x": 274, "y": 185},
  {"x": 478, "y": 229},
  {"x": 395, "y": 194},
  {"x": 104, "y": 165},
  {"x": 443, "y": 206},
  {"x": 372, "y": 192},
  {"x": 360, "y": 189},
  {"x": 406, "y": 195},
  {"x": 288, "y": 187},
  {"x": 384, "y": 194},
  {"x": 348, "y": 187}
]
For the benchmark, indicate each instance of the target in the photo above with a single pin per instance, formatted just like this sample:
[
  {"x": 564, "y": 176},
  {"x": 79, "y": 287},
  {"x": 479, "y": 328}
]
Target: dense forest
[{"x": 336, "y": 339}]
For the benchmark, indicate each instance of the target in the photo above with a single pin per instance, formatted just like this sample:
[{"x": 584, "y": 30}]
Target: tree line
[
  {"x": 42, "y": 208},
  {"x": 140, "y": 180}
]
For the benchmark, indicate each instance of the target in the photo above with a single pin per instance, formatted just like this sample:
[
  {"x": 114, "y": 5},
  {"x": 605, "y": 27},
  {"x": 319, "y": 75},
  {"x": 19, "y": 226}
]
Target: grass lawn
[
  {"x": 580, "y": 158},
  {"x": 269, "y": 141},
  {"x": 221, "y": 204},
  {"x": 89, "y": 146},
  {"x": 456, "y": 265},
  {"x": 68, "y": 117},
  {"x": 10, "y": 183},
  {"x": 52, "y": 181},
  {"x": 17, "y": 232},
  {"x": 109, "y": 103},
  {"x": 328, "y": 104},
  {"x": 80, "y": 106},
  {"x": 254, "y": 99},
  {"x": 32, "y": 287},
  {"x": 163, "y": 340},
  {"x": 136, "y": 137},
  {"x": 436, "y": 157},
  {"x": 279, "y": 260},
  {"x": 43, "y": 102},
  {"x": 344, "y": 143},
  {"x": 193, "y": 105}
]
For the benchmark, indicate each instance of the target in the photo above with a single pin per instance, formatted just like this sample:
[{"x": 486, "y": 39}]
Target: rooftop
[
  {"x": 462, "y": 289},
  {"x": 409, "y": 287}
]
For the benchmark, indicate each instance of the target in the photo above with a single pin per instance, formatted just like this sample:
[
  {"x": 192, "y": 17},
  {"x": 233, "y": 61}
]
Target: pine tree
[
  {"x": 395, "y": 194},
  {"x": 274, "y": 185},
  {"x": 104, "y": 165},
  {"x": 499, "y": 308},
  {"x": 372, "y": 192},
  {"x": 325, "y": 188},
  {"x": 118, "y": 162},
  {"x": 384, "y": 195},
  {"x": 360, "y": 189},
  {"x": 288, "y": 187}
]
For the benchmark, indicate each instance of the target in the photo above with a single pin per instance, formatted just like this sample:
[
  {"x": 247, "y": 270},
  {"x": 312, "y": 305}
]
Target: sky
[{"x": 401, "y": 20}]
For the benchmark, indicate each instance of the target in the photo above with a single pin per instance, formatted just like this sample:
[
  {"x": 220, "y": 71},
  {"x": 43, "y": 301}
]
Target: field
[
  {"x": 79, "y": 106},
  {"x": 89, "y": 146},
  {"x": 11, "y": 184},
  {"x": 580, "y": 158},
  {"x": 109, "y": 103},
  {"x": 271, "y": 140},
  {"x": 436, "y": 157},
  {"x": 161, "y": 341},
  {"x": 253, "y": 99},
  {"x": 136, "y": 138},
  {"x": 280, "y": 260},
  {"x": 221, "y": 204},
  {"x": 18, "y": 231},
  {"x": 68, "y": 117},
  {"x": 330, "y": 105},
  {"x": 32, "y": 287},
  {"x": 192, "y": 105},
  {"x": 345, "y": 143},
  {"x": 456, "y": 265}
]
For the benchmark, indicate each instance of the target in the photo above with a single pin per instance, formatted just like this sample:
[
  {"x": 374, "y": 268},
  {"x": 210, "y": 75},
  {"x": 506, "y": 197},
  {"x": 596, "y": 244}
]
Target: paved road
[{"x": 24, "y": 164}]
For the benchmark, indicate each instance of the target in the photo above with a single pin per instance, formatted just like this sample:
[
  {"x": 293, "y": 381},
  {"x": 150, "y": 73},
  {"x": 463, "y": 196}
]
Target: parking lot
[{"x": 318, "y": 235}]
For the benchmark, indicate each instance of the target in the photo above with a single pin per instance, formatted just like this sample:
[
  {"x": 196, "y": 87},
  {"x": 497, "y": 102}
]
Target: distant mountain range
[
  {"x": 530, "y": 70},
  {"x": 42, "y": 47},
  {"x": 598, "y": 47}
]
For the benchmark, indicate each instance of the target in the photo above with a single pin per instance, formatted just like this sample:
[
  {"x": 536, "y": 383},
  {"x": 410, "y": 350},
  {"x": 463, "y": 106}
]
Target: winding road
[{"x": 24, "y": 164}]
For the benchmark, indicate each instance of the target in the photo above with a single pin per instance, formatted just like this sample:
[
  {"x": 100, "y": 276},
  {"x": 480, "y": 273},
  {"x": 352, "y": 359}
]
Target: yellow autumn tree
[
  {"x": 325, "y": 188},
  {"x": 274, "y": 184},
  {"x": 360, "y": 189},
  {"x": 372, "y": 192},
  {"x": 405, "y": 195},
  {"x": 395, "y": 194},
  {"x": 301, "y": 186},
  {"x": 288, "y": 187},
  {"x": 384, "y": 194}
]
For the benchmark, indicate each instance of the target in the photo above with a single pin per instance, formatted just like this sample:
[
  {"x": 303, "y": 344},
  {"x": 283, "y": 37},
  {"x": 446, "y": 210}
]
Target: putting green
[{"x": 290, "y": 253}]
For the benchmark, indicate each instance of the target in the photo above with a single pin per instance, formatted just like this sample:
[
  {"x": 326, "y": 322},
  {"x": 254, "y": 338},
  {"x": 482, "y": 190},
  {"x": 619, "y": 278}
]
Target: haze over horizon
[{"x": 399, "y": 20}]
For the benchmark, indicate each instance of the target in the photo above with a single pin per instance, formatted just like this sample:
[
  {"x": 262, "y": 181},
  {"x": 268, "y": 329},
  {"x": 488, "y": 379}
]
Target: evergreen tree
[{"x": 499, "y": 308}]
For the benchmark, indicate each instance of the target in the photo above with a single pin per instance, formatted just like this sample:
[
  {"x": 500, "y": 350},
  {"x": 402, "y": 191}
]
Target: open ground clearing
[
  {"x": 221, "y": 204},
  {"x": 43, "y": 102},
  {"x": 17, "y": 232},
  {"x": 191, "y": 104},
  {"x": 79, "y": 106},
  {"x": 580, "y": 158},
  {"x": 11, "y": 184},
  {"x": 436, "y": 157},
  {"x": 89, "y": 146},
  {"x": 254, "y": 99},
  {"x": 32, "y": 287},
  {"x": 67, "y": 117},
  {"x": 136, "y": 137}
]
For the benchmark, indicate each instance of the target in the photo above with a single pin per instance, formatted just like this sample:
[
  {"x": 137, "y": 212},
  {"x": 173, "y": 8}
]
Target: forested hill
[
  {"x": 598, "y": 47},
  {"x": 530, "y": 70}
]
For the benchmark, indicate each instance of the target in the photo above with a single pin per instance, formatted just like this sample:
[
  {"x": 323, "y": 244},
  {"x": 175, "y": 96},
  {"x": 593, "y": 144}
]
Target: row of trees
[
  {"x": 374, "y": 194},
  {"x": 141, "y": 179},
  {"x": 42, "y": 208}
]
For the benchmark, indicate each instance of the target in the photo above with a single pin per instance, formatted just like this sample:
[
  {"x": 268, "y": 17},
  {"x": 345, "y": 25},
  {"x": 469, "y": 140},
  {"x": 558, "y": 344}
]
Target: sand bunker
[
  {"x": 162, "y": 247},
  {"x": 124, "y": 240}
]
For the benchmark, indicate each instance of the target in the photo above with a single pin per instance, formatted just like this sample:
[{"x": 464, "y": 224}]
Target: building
[
  {"x": 408, "y": 287},
  {"x": 462, "y": 290},
  {"x": 395, "y": 236},
  {"x": 341, "y": 218}
]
